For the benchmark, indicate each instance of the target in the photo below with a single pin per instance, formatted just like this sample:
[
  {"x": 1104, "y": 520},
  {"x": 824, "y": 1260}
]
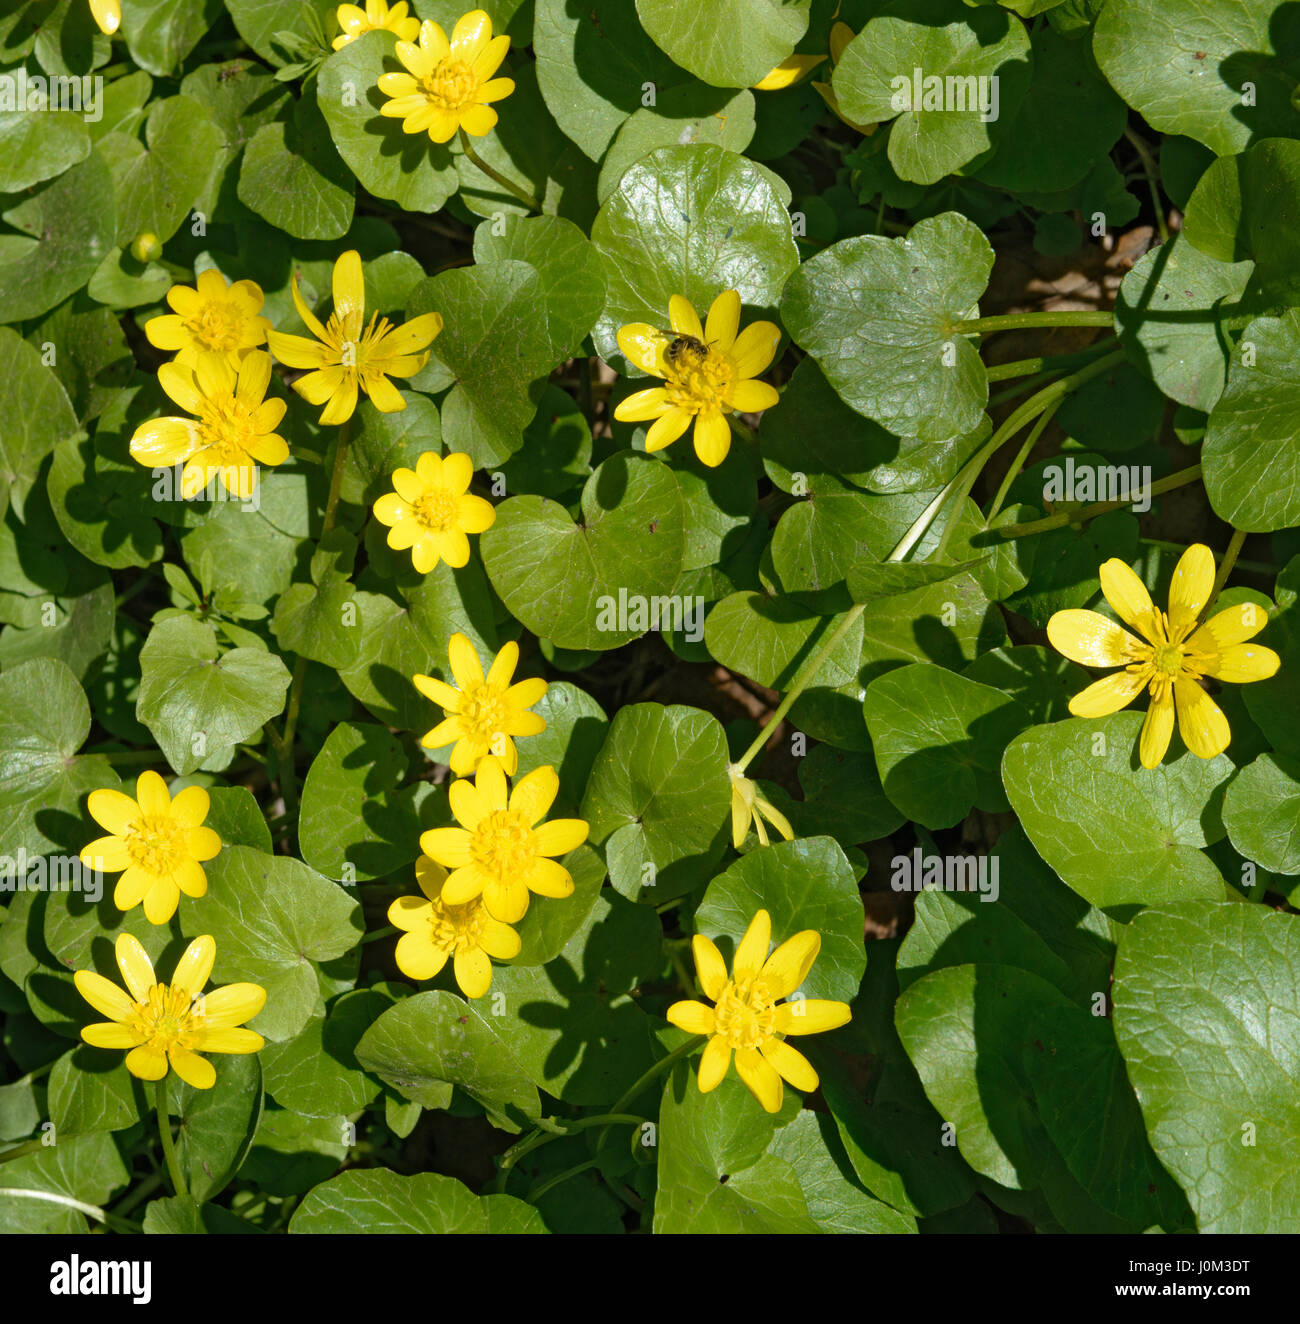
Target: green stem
[
  {"x": 1085, "y": 513},
  {"x": 1225, "y": 566},
  {"x": 551, "y": 1182},
  {"x": 1041, "y": 369},
  {"x": 664, "y": 1063},
  {"x": 1027, "y": 321},
  {"x": 1253, "y": 567},
  {"x": 540, "y": 1136},
  {"x": 525, "y": 197},
  {"x": 336, "y": 475},
  {"x": 386, "y": 932},
  {"x": 1149, "y": 169},
  {"x": 21, "y": 1151},
  {"x": 1019, "y": 462},
  {"x": 165, "y": 1131}
]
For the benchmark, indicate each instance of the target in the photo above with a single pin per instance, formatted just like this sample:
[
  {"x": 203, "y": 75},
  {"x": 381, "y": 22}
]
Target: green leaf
[
  {"x": 379, "y": 1201},
  {"x": 91, "y": 1090},
  {"x": 729, "y": 43},
  {"x": 217, "y": 1125},
  {"x": 1261, "y": 811},
  {"x": 659, "y": 800},
  {"x": 882, "y": 318},
  {"x": 236, "y": 818},
  {"x": 802, "y": 884},
  {"x": 431, "y": 1041},
  {"x": 1239, "y": 210},
  {"x": 939, "y": 739},
  {"x": 293, "y": 178},
  {"x": 384, "y": 442},
  {"x": 1216, "y": 1079},
  {"x": 260, "y": 21},
  {"x": 273, "y": 918},
  {"x": 876, "y": 80},
  {"x": 67, "y": 227},
  {"x": 38, "y": 418},
  {"x": 406, "y": 168},
  {"x": 44, "y": 718},
  {"x": 200, "y": 702},
  {"x": 1120, "y": 835},
  {"x": 37, "y": 146},
  {"x": 576, "y": 727},
  {"x": 105, "y": 531},
  {"x": 545, "y": 931},
  {"x": 354, "y": 823},
  {"x": 319, "y": 620},
  {"x": 161, "y": 33},
  {"x": 769, "y": 638},
  {"x": 46, "y": 1191},
  {"x": 680, "y": 116},
  {"x": 565, "y": 582},
  {"x": 1270, "y": 702},
  {"x": 1170, "y": 314},
  {"x": 316, "y": 1073},
  {"x": 692, "y": 221},
  {"x": 1251, "y": 455},
  {"x": 1184, "y": 65}
]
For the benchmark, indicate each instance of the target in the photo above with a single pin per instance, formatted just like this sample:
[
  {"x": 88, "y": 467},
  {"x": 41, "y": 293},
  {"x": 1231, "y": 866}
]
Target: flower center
[
  {"x": 701, "y": 384},
  {"x": 457, "y": 928},
  {"x": 168, "y": 1018},
  {"x": 744, "y": 1013},
  {"x": 503, "y": 844},
  {"x": 1167, "y": 659},
  {"x": 156, "y": 845},
  {"x": 482, "y": 710},
  {"x": 217, "y": 326},
  {"x": 451, "y": 85},
  {"x": 227, "y": 427},
  {"x": 437, "y": 510}
]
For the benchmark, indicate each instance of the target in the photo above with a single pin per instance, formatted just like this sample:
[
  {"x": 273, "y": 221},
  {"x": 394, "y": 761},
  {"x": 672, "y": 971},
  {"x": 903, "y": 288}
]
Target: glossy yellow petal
[
  {"x": 752, "y": 397},
  {"x": 231, "y": 1040},
  {"x": 1157, "y": 730},
  {"x": 349, "y": 288},
  {"x": 448, "y": 846},
  {"x": 549, "y": 878},
  {"x": 1201, "y": 722},
  {"x": 789, "y": 965},
  {"x": 161, "y": 900},
  {"x": 755, "y": 348},
  {"x": 191, "y": 806},
  {"x": 790, "y": 1063},
  {"x": 693, "y": 1017},
  {"x": 560, "y": 836},
  {"x": 146, "y": 1063},
  {"x": 811, "y": 1016},
  {"x": 107, "y": 854},
  {"x": 723, "y": 322},
  {"x": 1232, "y": 625},
  {"x": 473, "y": 970},
  {"x": 1091, "y": 639},
  {"x": 112, "y": 809},
  {"x": 192, "y": 1069},
  {"x": 534, "y": 794},
  {"x": 751, "y": 954},
  {"x": 1190, "y": 588},
  {"x": 1108, "y": 695},
  {"x": 107, "y": 15},
  {"x": 683, "y": 318},
  {"x": 233, "y": 1004},
  {"x": 416, "y": 956},
  {"x": 666, "y": 429},
  {"x": 641, "y": 406},
  {"x": 1129, "y": 597},
  {"x": 642, "y": 345},
  {"x": 712, "y": 438},
  {"x": 761, "y": 1077},
  {"x": 136, "y": 967},
  {"x": 506, "y": 901},
  {"x": 714, "y": 1062},
  {"x": 195, "y": 966},
  {"x": 411, "y": 914},
  {"x": 791, "y": 70},
  {"x": 1242, "y": 663},
  {"x": 152, "y": 796},
  {"x": 104, "y": 1035},
  {"x": 103, "y": 995}
]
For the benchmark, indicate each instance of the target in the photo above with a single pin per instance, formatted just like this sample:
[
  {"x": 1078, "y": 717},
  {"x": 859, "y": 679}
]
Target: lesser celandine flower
[
  {"x": 431, "y": 510},
  {"x": 234, "y": 431},
  {"x": 747, "y": 1019},
  {"x": 501, "y": 849},
  {"x": 747, "y": 806},
  {"x": 377, "y": 16},
  {"x": 432, "y": 931},
  {"x": 483, "y": 712},
  {"x": 162, "y": 1023},
  {"x": 348, "y": 354},
  {"x": 1170, "y": 658},
  {"x": 448, "y": 84},
  {"x": 107, "y": 15},
  {"x": 708, "y": 373},
  {"x": 157, "y": 842},
  {"x": 214, "y": 319}
]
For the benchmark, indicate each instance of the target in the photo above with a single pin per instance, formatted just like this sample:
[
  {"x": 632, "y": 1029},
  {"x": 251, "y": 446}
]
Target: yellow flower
[
  {"x": 174, "y": 1022},
  {"x": 432, "y": 931},
  {"x": 1174, "y": 657},
  {"x": 748, "y": 806},
  {"x": 156, "y": 841},
  {"x": 235, "y": 431},
  {"x": 500, "y": 850},
  {"x": 841, "y": 35},
  {"x": 708, "y": 372},
  {"x": 482, "y": 713},
  {"x": 215, "y": 319},
  {"x": 793, "y": 69},
  {"x": 107, "y": 15},
  {"x": 375, "y": 17},
  {"x": 348, "y": 354},
  {"x": 431, "y": 510},
  {"x": 448, "y": 84},
  {"x": 746, "y": 1017}
]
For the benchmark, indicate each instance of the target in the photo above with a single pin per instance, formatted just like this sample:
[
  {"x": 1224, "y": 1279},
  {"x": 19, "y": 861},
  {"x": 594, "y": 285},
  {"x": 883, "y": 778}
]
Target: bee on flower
[
  {"x": 708, "y": 372},
  {"x": 377, "y": 16},
  {"x": 748, "y": 1017},
  {"x": 448, "y": 84},
  {"x": 349, "y": 354},
  {"x": 170, "y": 1024},
  {"x": 1174, "y": 652}
]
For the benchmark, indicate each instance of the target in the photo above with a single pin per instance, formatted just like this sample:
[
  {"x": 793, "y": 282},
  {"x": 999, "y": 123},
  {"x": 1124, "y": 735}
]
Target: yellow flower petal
[
  {"x": 192, "y": 1069},
  {"x": 710, "y": 968},
  {"x": 1091, "y": 639},
  {"x": 1190, "y": 588},
  {"x": 1128, "y": 595},
  {"x": 811, "y": 1016},
  {"x": 642, "y": 345},
  {"x": 714, "y": 1062},
  {"x": 712, "y": 438},
  {"x": 103, "y": 995},
  {"x": 751, "y": 954},
  {"x": 761, "y": 1077},
  {"x": 473, "y": 970},
  {"x": 790, "y": 71},
  {"x": 789, "y": 965},
  {"x": 146, "y": 1063},
  {"x": 723, "y": 322},
  {"x": 195, "y": 966},
  {"x": 790, "y": 1063},
  {"x": 693, "y": 1017},
  {"x": 1201, "y": 722},
  {"x": 1157, "y": 730},
  {"x": 1109, "y": 695},
  {"x": 233, "y": 1004},
  {"x": 683, "y": 318},
  {"x": 416, "y": 956},
  {"x": 136, "y": 967},
  {"x": 1233, "y": 625},
  {"x": 1242, "y": 663}
]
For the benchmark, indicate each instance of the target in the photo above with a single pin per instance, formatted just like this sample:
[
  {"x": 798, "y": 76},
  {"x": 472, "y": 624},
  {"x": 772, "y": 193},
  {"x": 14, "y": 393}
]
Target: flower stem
[
  {"x": 1085, "y": 513},
  {"x": 21, "y": 1151},
  {"x": 540, "y": 1136},
  {"x": 525, "y": 197},
  {"x": 1149, "y": 169},
  {"x": 386, "y": 932},
  {"x": 1225, "y": 566},
  {"x": 1018, "y": 463},
  {"x": 551, "y": 1182},
  {"x": 168, "y": 1144},
  {"x": 1027, "y": 321},
  {"x": 664, "y": 1063},
  {"x": 336, "y": 475}
]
